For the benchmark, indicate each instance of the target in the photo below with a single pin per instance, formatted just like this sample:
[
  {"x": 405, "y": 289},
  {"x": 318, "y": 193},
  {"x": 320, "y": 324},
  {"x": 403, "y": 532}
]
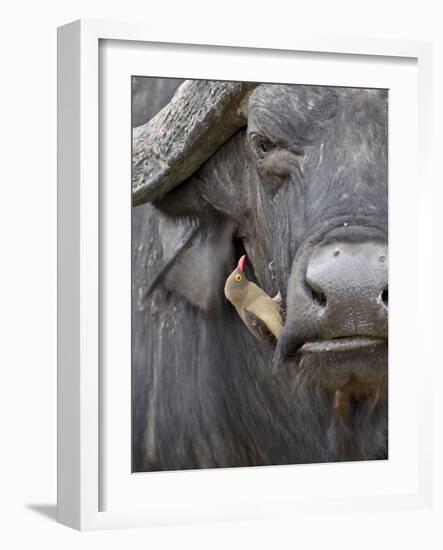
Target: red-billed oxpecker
[{"x": 259, "y": 312}]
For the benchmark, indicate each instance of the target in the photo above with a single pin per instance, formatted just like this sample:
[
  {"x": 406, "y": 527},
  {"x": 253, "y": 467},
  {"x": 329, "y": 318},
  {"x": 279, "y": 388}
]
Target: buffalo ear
[
  {"x": 185, "y": 247},
  {"x": 200, "y": 269}
]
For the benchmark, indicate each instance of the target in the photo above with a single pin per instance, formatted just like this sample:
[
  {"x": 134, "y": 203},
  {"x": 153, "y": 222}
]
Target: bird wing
[
  {"x": 268, "y": 311},
  {"x": 258, "y": 328}
]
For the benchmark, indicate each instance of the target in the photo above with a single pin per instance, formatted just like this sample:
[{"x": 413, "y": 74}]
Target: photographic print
[{"x": 259, "y": 274}]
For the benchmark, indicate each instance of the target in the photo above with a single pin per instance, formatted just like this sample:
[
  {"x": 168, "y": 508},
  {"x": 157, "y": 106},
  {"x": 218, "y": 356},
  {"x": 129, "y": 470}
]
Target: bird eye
[{"x": 238, "y": 277}]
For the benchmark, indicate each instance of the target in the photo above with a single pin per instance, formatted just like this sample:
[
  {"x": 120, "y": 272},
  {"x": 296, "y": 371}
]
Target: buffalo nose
[{"x": 348, "y": 284}]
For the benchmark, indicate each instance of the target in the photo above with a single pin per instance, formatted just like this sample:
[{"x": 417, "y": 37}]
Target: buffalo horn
[{"x": 170, "y": 147}]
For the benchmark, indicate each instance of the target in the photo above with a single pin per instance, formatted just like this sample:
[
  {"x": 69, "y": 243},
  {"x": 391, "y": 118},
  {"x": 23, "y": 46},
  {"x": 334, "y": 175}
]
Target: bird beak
[{"x": 242, "y": 263}]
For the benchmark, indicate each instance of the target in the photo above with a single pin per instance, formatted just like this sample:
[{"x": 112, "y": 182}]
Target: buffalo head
[{"x": 296, "y": 177}]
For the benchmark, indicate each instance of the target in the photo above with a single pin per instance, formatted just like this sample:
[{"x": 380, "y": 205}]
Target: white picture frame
[{"x": 80, "y": 265}]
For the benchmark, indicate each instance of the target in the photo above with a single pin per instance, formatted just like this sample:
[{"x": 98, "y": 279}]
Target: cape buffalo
[{"x": 296, "y": 178}]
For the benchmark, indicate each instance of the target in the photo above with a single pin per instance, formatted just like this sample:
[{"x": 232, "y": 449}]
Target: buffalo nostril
[
  {"x": 318, "y": 297},
  {"x": 384, "y": 296}
]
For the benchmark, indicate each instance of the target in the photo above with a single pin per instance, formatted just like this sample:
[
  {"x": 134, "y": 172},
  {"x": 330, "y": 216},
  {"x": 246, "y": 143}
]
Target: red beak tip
[{"x": 242, "y": 263}]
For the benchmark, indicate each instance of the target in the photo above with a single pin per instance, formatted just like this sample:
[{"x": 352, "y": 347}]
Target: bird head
[{"x": 237, "y": 281}]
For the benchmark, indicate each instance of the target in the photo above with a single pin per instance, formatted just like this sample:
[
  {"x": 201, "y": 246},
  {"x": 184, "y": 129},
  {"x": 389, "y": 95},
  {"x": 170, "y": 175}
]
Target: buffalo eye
[
  {"x": 276, "y": 161},
  {"x": 261, "y": 145}
]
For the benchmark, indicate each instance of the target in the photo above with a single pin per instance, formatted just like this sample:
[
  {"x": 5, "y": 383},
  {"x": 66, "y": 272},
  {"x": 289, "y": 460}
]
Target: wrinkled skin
[{"x": 307, "y": 173}]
